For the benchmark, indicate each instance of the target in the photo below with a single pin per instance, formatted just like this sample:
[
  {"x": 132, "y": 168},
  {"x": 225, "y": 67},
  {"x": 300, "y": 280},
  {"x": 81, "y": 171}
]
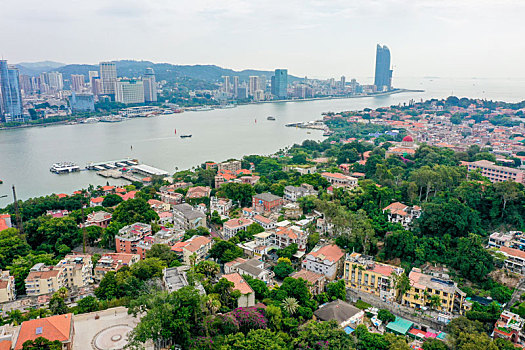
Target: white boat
[
  {"x": 64, "y": 167},
  {"x": 203, "y": 108}
]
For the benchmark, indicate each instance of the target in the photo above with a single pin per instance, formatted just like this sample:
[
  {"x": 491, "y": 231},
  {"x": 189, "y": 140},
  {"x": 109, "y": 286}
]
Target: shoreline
[{"x": 387, "y": 93}]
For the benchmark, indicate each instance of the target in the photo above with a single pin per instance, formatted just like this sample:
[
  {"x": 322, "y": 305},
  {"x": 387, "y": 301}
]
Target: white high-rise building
[
  {"x": 92, "y": 74},
  {"x": 235, "y": 86},
  {"x": 77, "y": 82},
  {"x": 226, "y": 84},
  {"x": 108, "y": 75},
  {"x": 55, "y": 81},
  {"x": 150, "y": 86},
  {"x": 130, "y": 91},
  {"x": 253, "y": 85}
]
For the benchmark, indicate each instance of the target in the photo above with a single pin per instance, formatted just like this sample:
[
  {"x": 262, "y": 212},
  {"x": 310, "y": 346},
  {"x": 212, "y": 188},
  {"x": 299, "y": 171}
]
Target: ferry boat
[
  {"x": 185, "y": 136},
  {"x": 64, "y": 167},
  {"x": 111, "y": 119},
  {"x": 271, "y": 118},
  {"x": 203, "y": 108}
]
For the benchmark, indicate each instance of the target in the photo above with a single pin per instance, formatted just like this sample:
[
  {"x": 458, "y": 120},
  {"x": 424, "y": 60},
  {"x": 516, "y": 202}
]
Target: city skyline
[{"x": 430, "y": 38}]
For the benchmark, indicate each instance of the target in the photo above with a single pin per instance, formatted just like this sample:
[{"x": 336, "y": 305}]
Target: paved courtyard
[{"x": 109, "y": 331}]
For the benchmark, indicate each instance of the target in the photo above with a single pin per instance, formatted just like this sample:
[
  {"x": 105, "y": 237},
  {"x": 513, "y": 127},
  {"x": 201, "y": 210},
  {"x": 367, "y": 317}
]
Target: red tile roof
[
  {"x": 53, "y": 328},
  {"x": 329, "y": 252},
  {"x": 239, "y": 283},
  {"x": 5, "y": 344},
  {"x": 513, "y": 252}
]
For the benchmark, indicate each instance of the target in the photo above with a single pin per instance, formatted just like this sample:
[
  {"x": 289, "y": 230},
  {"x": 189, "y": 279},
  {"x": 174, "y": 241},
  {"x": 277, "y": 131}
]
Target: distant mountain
[
  {"x": 168, "y": 72},
  {"x": 35, "y": 68}
]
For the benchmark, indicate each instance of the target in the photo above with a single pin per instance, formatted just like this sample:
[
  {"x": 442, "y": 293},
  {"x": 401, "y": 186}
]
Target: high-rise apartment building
[
  {"x": 262, "y": 82},
  {"x": 343, "y": 82},
  {"x": 235, "y": 86},
  {"x": 383, "y": 76},
  {"x": 92, "y": 74},
  {"x": 280, "y": 83},
  {"x": 108, "y": 75},
  {"x": 129, "y": 91},
  {"x": 226, "y": 87},
  {"x": 253, "y": 85},
  {"x": 11, "y": 106},
  {"x": 96, "y": 86},
  {"x": 55, "y": 81},
  {"x": 77, "y": 82},
  {"x": 26, "y": 85},
  {"x": 150, "y": 85}
]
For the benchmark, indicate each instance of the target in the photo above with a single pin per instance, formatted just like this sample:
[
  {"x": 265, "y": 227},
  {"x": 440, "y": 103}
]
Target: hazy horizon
[{"x": 318, "y": 39}]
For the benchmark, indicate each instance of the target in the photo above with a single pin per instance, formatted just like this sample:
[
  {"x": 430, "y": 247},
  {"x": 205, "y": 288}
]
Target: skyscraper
[
  {"x": 130, "y": 91},
  {"x": 280, "y": 83},
  {"x": 235, "y": 86},
  {"x": 226, "y": 84},
  {"x": 77, "y": 82},
  {"x": 92, "y": 74},
  {"x": 150, "y": 85},
  {"x": 253, "y": 85},
  {"x": 383, "y": 77},
  {"x": 108, "y": 75},
  {"x": 11, "y": 106}
]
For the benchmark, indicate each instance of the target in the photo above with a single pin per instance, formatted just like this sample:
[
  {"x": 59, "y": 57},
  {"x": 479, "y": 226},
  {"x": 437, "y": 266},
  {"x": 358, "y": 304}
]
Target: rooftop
[{"x": 239, "y": 283}]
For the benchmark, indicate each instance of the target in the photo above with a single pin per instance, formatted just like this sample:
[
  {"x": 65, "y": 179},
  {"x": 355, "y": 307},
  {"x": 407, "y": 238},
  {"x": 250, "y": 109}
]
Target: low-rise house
[
  {"x": 247, "y": 298},
  {"x": 129, "y": 236},
  {"x": 324, "y": 227},
  {"x": 78, "y": 270},
  {"x": 265, "y": 222},
  {"x": 7, "y": 287},
  {"x": 159, "y": 206},
  {"x": 57, "y": 213},
  {"x": 316, "y": 281},
  {"x": 107, "y": 190},
  {"x": 292, "y": 211},
  {"x": 99, "y": 218},
  {"x": 500, "y": 239},
  {"x": 426, "y": 287},
  {"x": 170, "y": 196},
  {"x": 326, "y": 260},
  {"x": 198, "y": 192},
  {"x": 193, "y": 250},
  {"x": 363, "y": 274},
  {"x": 340, "y": 180},
  {"x": 250, "y": 180},
  {"x": 174, "y": 278},
  {"x": 254, "y": 268},
  {"x": 293, "y": 193},
  {"x": 96, "y": 202},
  {"x": 260, "y": 246},
  {"x": 44, "y": 279},
  {"x": 345, "y": 314},
  {"x": 58, "y": 327},
  {"x": 515, "y": 261},
  {"x": 231, "y": 227},
  {"x": 113, "y": 262},
  {"x": 187, "y": 217},
  {"x": 266, "y": 202},
  {"x": 301, "y": 169},
  {"x": 284, "y": 236},
  {"x": 221, "y": 205},
  {"x": 403, "y": 214},
  {"x": 509, "y": 326},
  {"x": 166, "y": 236},
  {"x": 5, "y": 221}
]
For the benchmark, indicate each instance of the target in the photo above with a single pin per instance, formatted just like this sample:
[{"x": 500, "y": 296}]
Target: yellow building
[
  {"x": 435, "y": 293},
  {"x": 78, "y": 270},
  {"x": 44, "y": 280},
  {"x": 362, "y": 273}
]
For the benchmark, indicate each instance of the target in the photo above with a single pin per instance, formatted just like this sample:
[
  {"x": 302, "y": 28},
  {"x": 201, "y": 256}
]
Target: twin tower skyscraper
[{"x": 383, "y": 76}]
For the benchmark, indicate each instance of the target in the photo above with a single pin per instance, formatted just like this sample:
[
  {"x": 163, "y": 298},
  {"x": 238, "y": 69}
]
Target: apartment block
[
  {"x": 129, "y": 236},
  {"x": 496, "y": 173},
  {"x": 232, "y": 166},
  {"x": 7, "y": 287},
  {"x": 364, "y": 274},
  {"x": 77, "y": 270},
  {"x": 231, "y": 227},
  {"x": 113, "y": 262},
  {"x": 326, "y": 260},
  {"x": 44, "y": 279},
  {"x": 194, "y": 249},
  {"x": 424, "y": 287},
  {"x": 403, "y": 214},
  {"x": 340, "y": 180}
]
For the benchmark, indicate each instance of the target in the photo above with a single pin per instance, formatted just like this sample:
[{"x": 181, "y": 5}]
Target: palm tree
[
  {"x": 290, "y": 305},
  {"x": 213, "y": 304},
  {"x": 193, "y": 258},
  {"x": 15, "y": 317}
]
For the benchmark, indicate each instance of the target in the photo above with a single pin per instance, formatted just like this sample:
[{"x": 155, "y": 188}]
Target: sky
[{"x": 314, "y": 38}]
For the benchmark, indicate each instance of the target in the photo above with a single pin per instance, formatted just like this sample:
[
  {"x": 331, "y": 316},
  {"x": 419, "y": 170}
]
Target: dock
[
  {"x": 147, "y": 170},
  {"x": 112, "y": 164}
]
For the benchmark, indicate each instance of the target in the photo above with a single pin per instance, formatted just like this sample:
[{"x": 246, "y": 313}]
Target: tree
[
  {"x": 88, "y": 304},
  {"x": 282, "y": 270},
  {"x": 148, "y": 268},
  {"x": 322, "y": 335},
  {"x": 163, "y": 253},
  {"x": 336, "y": 290},
  {"x": 134, "y": 210},
  {"x": 259, "y": 287},
  {"x": 274, "y": 317},
  {"x": 239, "y": 193},
  {"x": 434, "y": 344},
  {"x": 472, "y": 260},
  {"x": 386, "y": 316},
  {"x": 401, "y": 284},
  {"x": 225, "y": 251},
  {"x": 12, "y": 245},
  {"x": 57, "y": 305},
  {"x": 111, "y": 200},
  {"x": 208, "y": 268},
  {"x": 290, "y": 305},
  {"x": 42, "y": 343},
  {"x": 288, "y": 251},
  {"x": 108, "y": 288},
  {"x": 255, "y": 340}
]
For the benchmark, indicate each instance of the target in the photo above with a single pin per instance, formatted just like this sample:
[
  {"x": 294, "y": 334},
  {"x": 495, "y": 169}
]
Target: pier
[{"x": 112, "y": 164}]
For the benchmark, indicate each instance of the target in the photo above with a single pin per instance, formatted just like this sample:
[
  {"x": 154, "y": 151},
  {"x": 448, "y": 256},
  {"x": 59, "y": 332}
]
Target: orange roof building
[
  {"x": 247, "y": 298},
  {"x": 59, "y": 327},
  {"x": 326, "y": 260}
]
